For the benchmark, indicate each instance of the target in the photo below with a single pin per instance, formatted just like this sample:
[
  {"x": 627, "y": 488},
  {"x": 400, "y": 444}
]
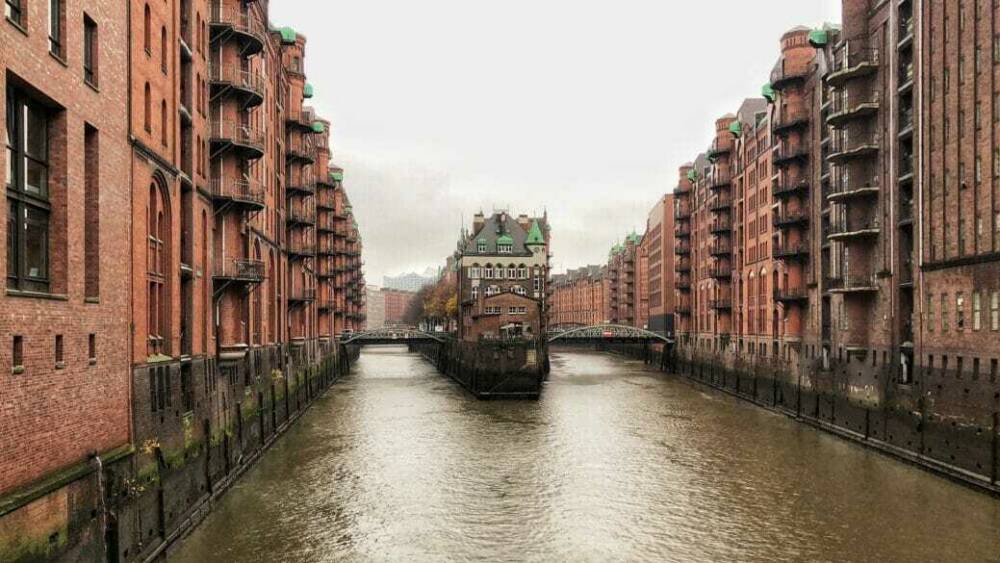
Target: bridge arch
[
  {"x": 388, "y": 335},
  {"x": 604, "y": 332}
]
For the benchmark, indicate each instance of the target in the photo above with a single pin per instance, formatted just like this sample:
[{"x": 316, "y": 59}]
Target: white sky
[{"x": 444, "y": 107}]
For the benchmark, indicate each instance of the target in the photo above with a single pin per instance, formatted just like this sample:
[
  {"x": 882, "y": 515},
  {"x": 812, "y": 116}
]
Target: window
[
  {"x": 147, "y": 109},
  {"x": 518, "y": 290},
  {"x": 163, "y": 49},
  {"x": 17, "y": 354},
  {"x": 512, "y": 273},
  {"x": 522, "y": 273},
  {"x": 163, "y": 122},
  {"x": 977, "y": 313},
  {"x": 91, "y": 214},
  {"x": 995, "y": 311},
  {"x": 944, "y": 312},
  {"x": 13, "y": 11},
  {"x": 488, "y": 273},
  {"x": 475, "y": 292},
  {"x": 156, "y": 270},
  {"x": 89, "y": 51},
  {"x": 538, "y": 284},
  {"x": 504, "y": 248},
  {"x": 481, "y": 247},
  {"x": 59, "y": 351},
  {"x": 960, "y": 311},
  {"x": 474, "y": 273},
  {"x": 56, "y": 28},
  {"x": 28, "y": 201},
  {"x": 930, "y": 312},
  {"x": 147, "y": 25},
  {"x": 92, "y": 348}
]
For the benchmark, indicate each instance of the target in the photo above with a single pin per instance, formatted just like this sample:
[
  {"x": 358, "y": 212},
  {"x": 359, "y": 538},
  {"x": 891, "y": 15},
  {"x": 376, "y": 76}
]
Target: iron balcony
[
  {"x": 240, "y": 270},
  {"x": 249, "y": 86},
  {"x": 246, "y": 139},
  {"x": 243, "y": 193},
  {"x": 228, "y": 22},
  {"x": 852, "y": 284},
  {"x": 791, "y": 295}
]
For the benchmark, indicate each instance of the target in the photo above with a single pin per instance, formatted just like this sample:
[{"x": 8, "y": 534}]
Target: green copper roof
[
  {"x": 693, "y": 175},
  {"x": 319, "y": 127},
  {"x": 339, "y": 176},
  {"x": 287, "y": 35},
  {"x": 767, "y": 91},
  {"x": 736, "y": 128},
  {"x": 307, "y": 92},
  {"x": 818, "y": 38},
  {"x": 505, "y": 239},
  {"x": 634, "y": 237},
  {"x": 535, "y": 234}
]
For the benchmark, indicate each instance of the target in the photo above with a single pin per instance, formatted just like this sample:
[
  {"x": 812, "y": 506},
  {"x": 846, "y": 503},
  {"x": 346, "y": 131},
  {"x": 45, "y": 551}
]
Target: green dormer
[
  {"x": 693, "y": 175},
  {"x": 319, "y": 127},
  {"x": 818, "y": 38},
  {"x": 338, "y": 176},
  {"x": 505, "y": 239},
  {"x": 736, "y": 128},
  {"x": 535, "y": 235},
  {"x": 287, "y": 35},
  {"x": 767, "y": 91},
  {"x": 307, "y": 92}
]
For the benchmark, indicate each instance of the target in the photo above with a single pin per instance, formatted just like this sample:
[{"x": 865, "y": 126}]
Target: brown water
[{"x": 613, "y": 463}]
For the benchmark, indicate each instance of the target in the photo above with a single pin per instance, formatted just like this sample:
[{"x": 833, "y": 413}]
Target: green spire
[
  {"x": 307, "y": 92},
  {"x": 736, "y": 128},
  {"x": 818, "y": 38},
  {"x": 767, "y": 91},
  {"x": 535, "y": 234},
  {"x": 287, "y": 35}
]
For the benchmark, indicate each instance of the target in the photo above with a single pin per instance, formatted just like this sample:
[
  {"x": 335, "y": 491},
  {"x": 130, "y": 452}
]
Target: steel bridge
[
  {"x": 604, "y": 333},
  {"x": 389, "y": 336}
]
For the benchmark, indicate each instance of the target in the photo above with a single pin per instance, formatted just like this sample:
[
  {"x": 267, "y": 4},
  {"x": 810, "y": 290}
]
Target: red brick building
[
  {"x": 660, "y": 241},
  {"x": 64, "y": 386},
  {"x": 209, "y": 250},
  {"x": 579, "y": 297},
  {"x": 865, "y": 234},
  {"x": 396, "y": 303},
  {"x": 503, "y": 269}
]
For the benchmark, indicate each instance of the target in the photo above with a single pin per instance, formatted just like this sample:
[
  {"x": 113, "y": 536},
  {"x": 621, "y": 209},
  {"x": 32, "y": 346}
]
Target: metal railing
[
  {"x": 240, "y": 269},
  {"x": 247, "y": 191},
  {"x": 239, "y": 133},
  {"x": 238, "y": 78},
  {"x": 242, "y": 22}
]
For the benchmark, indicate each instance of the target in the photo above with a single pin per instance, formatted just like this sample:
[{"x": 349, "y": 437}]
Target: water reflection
[{"x": 614, "y": 462}]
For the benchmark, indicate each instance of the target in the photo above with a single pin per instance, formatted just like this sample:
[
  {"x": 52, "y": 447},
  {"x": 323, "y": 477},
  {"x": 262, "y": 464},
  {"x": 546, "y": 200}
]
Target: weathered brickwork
[
  {"x": 57, "y": 412},
  {"x": 873, "y": 181},
  {"x": 201, "y": 258}
]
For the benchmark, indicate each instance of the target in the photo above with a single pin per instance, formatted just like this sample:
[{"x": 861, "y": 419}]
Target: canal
[{"x": 614, "y": 462}]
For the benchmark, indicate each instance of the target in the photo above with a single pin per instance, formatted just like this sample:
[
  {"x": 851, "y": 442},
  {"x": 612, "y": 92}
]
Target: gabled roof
[{"x": 500, "y": 228}]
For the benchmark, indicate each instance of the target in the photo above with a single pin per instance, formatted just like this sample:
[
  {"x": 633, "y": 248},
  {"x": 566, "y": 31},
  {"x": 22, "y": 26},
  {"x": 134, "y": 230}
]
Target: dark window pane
[
  {"x": 36, "y": 178},
  {"x": 12, "y": 239},
  {"x": 36, "y": 133},
  {"x": 36, "y": 244},
  {"x": 10, "y": 167}
]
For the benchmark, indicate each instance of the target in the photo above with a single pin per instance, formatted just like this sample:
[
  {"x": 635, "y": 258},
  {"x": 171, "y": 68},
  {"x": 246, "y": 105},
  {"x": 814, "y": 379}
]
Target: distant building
[
  {"x": 579, "y": 297},
  {"x": 407, "y": 282},
  {"x": 660, "y": 241},
  {"x": 502, "y": 277},
  {"x": 395, "y": 301},
  {"x": 375, "y": 308}
]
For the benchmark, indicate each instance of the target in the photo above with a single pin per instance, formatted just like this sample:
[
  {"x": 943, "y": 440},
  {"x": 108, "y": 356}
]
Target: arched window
[
  {"x": 147, "y": 30},
  {"x": 258, "y": 305},
  {"x": 163, "y": 49},
  {"x": 163, "y": 122},
  {"x": 147, "y": 108},
  {"x": 157, "y": 260}
]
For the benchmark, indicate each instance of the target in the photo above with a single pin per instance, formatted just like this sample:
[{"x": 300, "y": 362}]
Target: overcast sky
[{"x": 441, "y": 108}]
